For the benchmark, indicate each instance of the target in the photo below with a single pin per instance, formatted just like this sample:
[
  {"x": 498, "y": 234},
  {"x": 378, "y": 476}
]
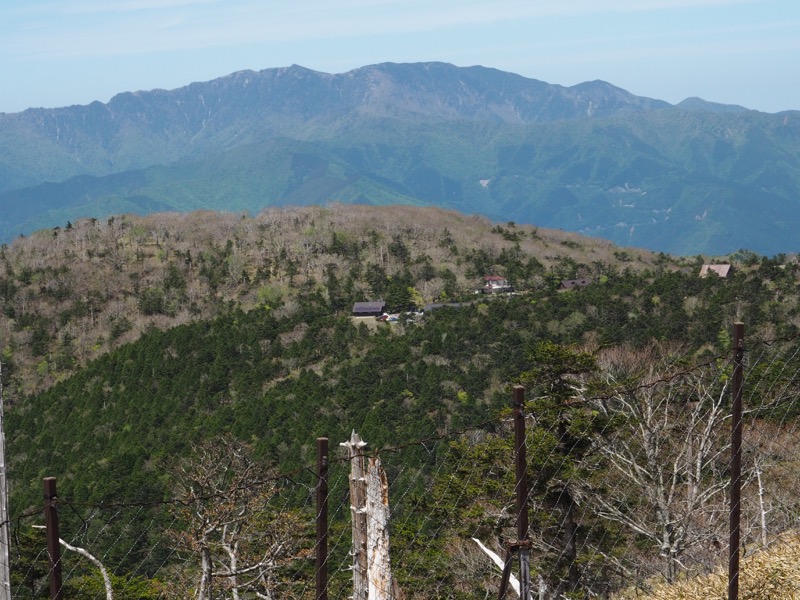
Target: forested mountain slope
[
  {"x": 592, "y": 158},
  {"x": 130, "y": 342},
  {"x": 280, "y": 377},
  {"x": 70, "y": 294}
]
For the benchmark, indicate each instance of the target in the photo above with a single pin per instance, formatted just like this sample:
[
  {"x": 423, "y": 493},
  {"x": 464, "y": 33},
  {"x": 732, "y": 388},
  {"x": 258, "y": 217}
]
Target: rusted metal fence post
[
  {"x": 736, "y": 462},
  {"x": 53, "y": 545},
  {"x": 322, "y": 519},
  {"x": 520, "y": 455},
  {"x": 521, "y": 545}
]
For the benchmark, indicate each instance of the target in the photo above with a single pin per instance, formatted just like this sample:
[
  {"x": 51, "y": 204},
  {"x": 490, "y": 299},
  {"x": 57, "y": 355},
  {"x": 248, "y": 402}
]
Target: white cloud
[{"x": 109, "y": 7}]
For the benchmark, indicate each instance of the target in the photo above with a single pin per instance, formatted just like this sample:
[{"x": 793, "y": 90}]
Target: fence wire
[{"x": 628, "y": 470}]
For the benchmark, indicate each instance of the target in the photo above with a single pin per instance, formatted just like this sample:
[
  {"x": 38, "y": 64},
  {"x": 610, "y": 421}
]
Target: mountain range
[{"x": 695, "y": 177}]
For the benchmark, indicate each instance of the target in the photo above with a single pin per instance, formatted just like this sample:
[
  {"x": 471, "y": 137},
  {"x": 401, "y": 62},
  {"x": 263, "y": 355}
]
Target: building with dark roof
[{"x": 373, "y": 308}]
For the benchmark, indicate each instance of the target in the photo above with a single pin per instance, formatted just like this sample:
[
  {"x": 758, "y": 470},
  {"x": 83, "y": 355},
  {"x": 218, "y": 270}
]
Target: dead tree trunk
[
  {"x": 369, "y": 504},
  {"x": 358, "y": 509},
  {"x": 379, "y": 572},
  {"x": 103, "y": 571},
  {"x": 762, "y": 506},
  {"x": 94, "y": 560}
]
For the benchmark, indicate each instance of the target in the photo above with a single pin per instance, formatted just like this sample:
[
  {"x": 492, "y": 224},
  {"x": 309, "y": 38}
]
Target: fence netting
[{"x": 628, "y": 481}]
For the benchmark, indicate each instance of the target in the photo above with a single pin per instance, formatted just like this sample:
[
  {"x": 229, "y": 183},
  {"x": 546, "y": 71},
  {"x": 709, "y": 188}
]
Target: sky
[{"x": 62, "y": 52}]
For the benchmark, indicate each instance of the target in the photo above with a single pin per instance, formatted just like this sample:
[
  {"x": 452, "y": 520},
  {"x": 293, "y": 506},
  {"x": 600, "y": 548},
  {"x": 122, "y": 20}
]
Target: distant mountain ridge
[
  {"x": 100, "y": 139},
  {"x": 473, "y": 139}
]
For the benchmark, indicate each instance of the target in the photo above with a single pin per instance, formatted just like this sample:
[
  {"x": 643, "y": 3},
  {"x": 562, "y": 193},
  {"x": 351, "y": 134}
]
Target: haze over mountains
[{"x": 696, "y": 177}]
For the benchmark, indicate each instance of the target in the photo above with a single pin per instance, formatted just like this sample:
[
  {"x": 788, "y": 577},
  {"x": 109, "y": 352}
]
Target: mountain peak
[{"x": 695, "y": 103}]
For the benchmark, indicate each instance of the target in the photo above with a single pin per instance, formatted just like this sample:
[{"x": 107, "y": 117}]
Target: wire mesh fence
[{"x": 628, "y": 474}]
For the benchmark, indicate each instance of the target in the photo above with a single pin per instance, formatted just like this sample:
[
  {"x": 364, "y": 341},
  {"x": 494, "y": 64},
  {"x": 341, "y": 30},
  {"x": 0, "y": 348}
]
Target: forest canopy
[{"x": 131, "y": 343}]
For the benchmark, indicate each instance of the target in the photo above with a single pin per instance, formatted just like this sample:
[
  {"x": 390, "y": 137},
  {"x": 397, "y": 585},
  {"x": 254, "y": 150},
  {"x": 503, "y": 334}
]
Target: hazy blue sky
[{"x": 61, "y": 52}]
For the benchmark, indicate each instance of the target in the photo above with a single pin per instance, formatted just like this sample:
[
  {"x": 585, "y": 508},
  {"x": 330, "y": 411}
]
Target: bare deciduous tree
[
  {"x": 223, "y": 496},
  {"x": 665, "y": 454}
]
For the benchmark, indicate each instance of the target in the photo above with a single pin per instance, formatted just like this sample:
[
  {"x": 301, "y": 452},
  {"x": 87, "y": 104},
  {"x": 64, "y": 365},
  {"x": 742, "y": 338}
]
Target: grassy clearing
[{"x": 770, "y": 574}]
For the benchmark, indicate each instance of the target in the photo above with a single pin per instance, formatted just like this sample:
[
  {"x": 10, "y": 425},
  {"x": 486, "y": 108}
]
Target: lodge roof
[
  {"x": 374, "y": 306},
  {"x": 719, "y": 270}
]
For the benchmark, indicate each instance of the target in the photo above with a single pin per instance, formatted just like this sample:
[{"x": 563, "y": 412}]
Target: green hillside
[
  {"x": 244, "y": 373},
  {"x": 131, "y": 345},
  {"x": 679, "y": 182}
]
